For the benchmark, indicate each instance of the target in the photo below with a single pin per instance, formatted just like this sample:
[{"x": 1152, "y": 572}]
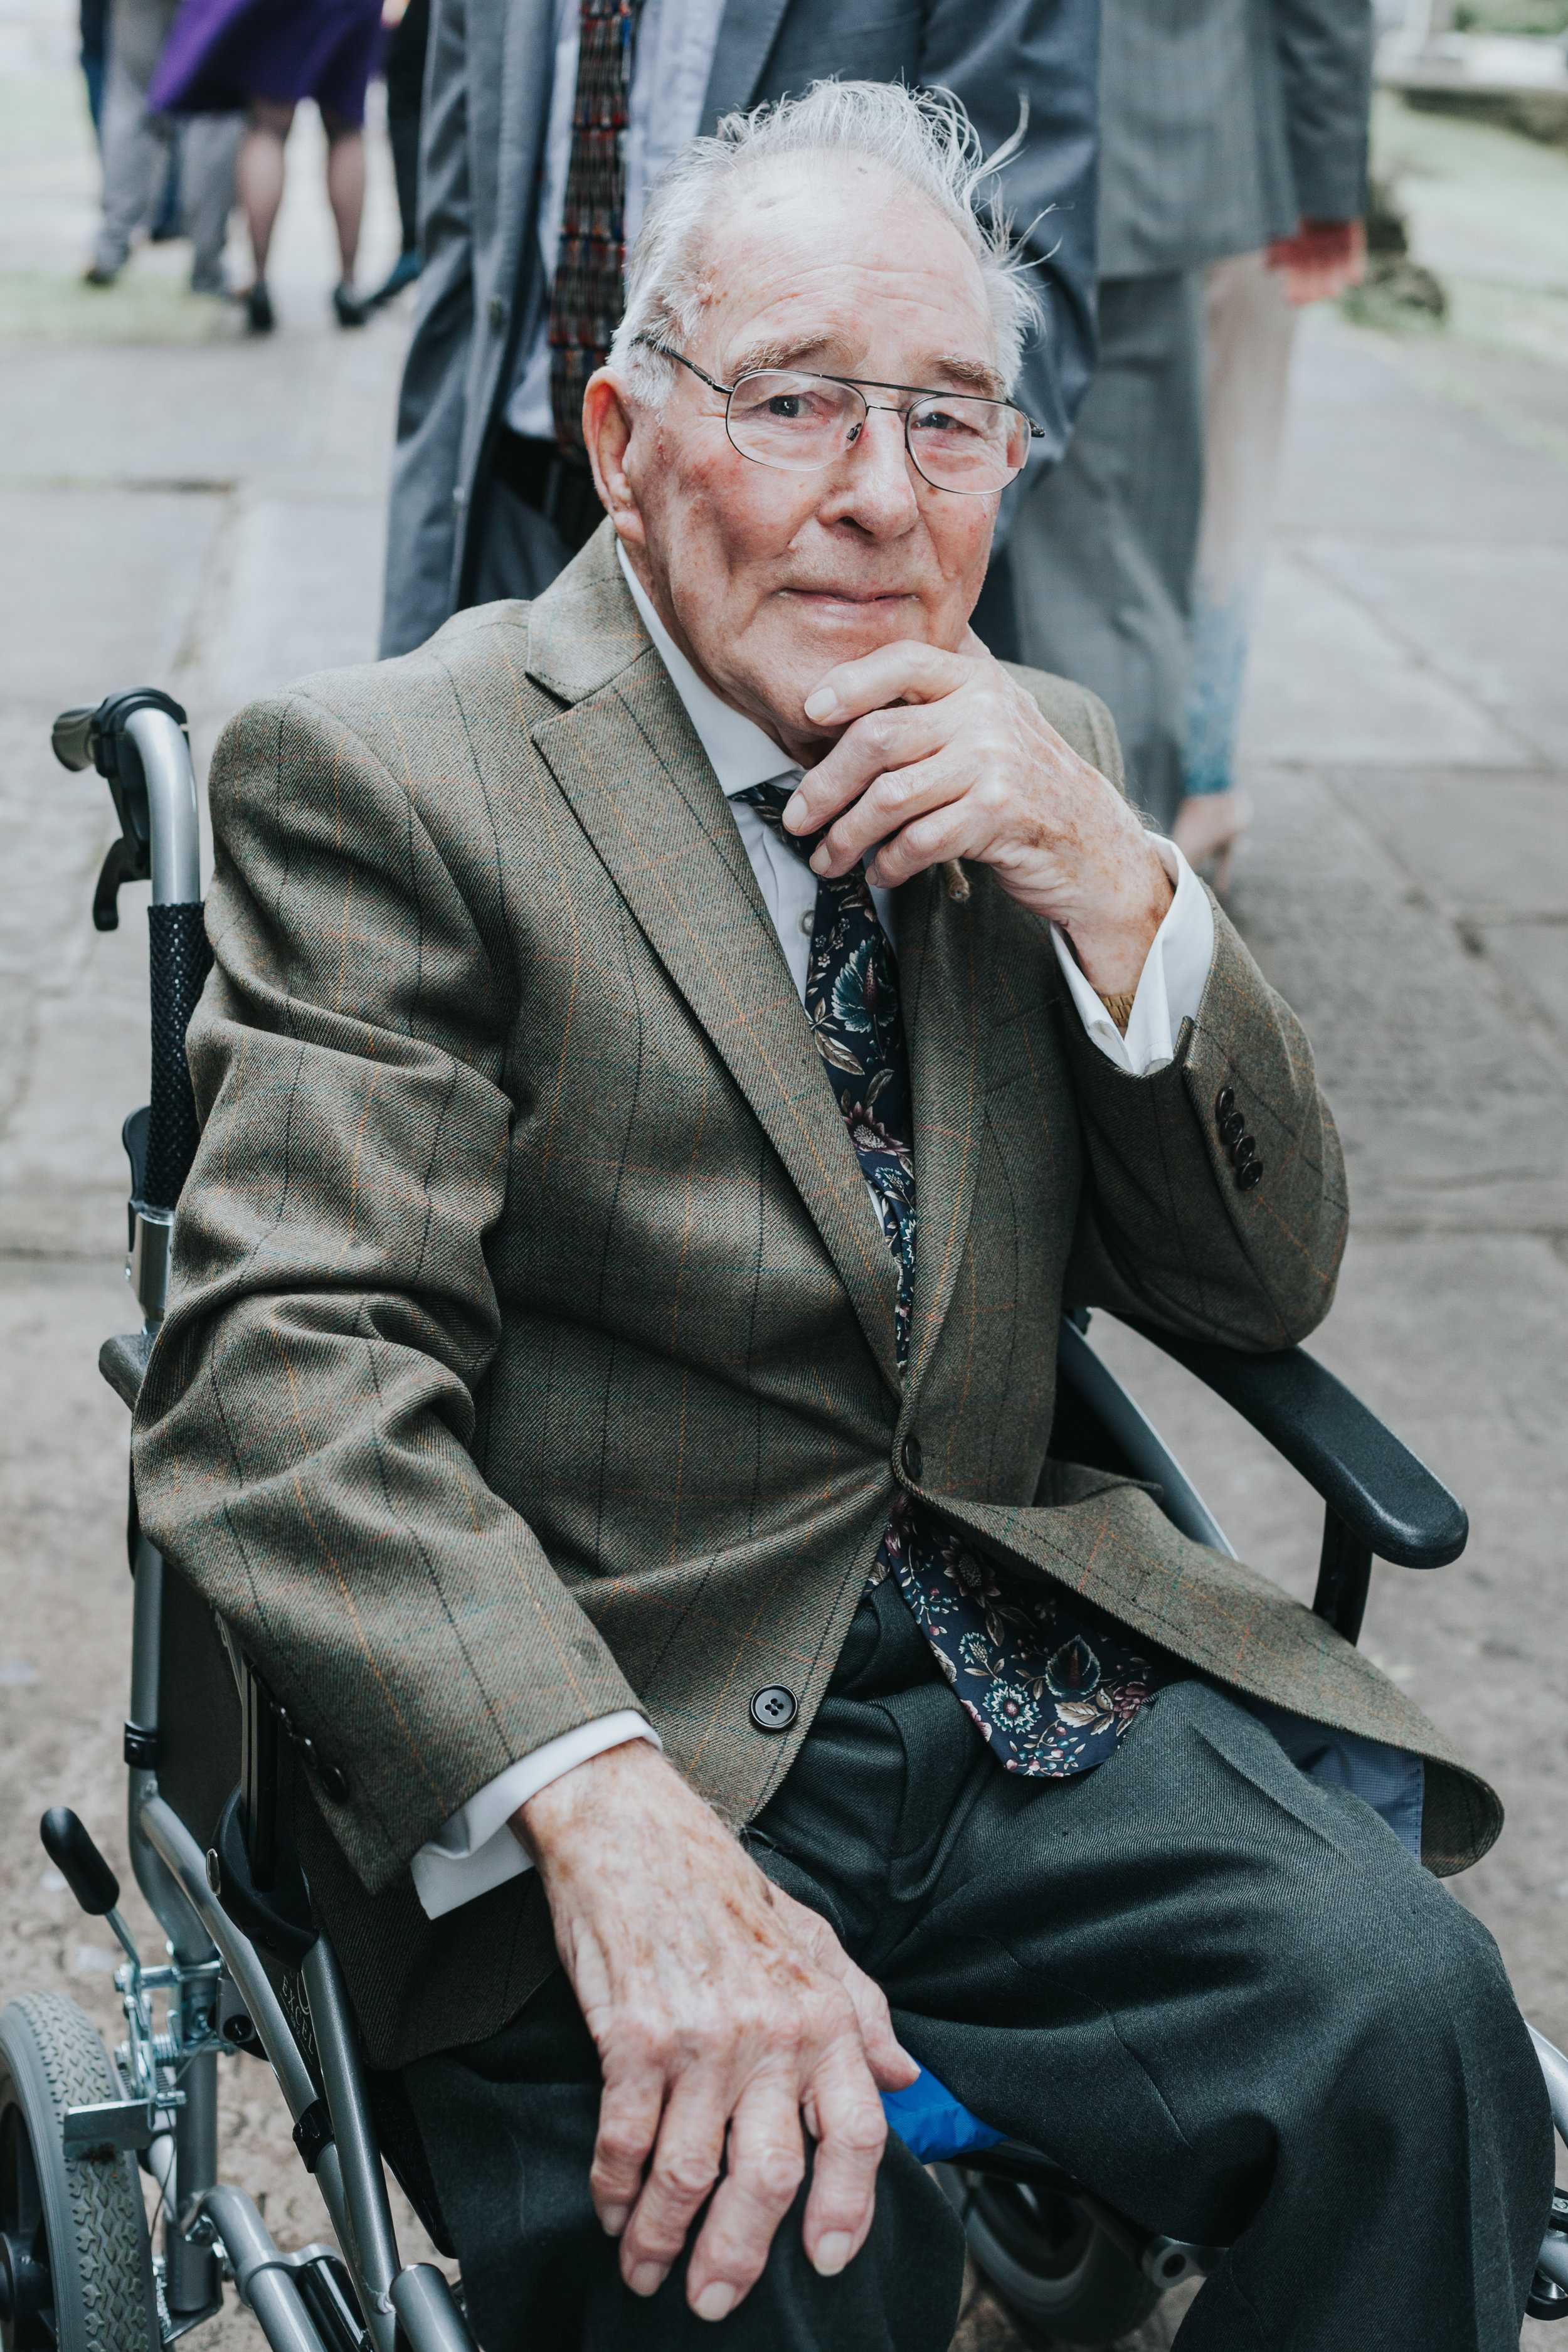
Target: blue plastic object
[{"x": 932, "y": 2124}]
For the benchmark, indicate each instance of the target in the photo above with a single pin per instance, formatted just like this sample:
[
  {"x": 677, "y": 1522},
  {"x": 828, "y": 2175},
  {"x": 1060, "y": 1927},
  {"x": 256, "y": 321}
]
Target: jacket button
[
  {"x": 913, "y": 1459},
  {"x": 498, "y": 312},
  {"x": 335, "y": 1783},
  {"x": 1241, "y": 1151},
  {"x": 773, "y": 1709},
  {"x": 1248, "y": 1179},
  {"x": 1225, "y": 1103},
  {"x": 1232, "y": 1130}
]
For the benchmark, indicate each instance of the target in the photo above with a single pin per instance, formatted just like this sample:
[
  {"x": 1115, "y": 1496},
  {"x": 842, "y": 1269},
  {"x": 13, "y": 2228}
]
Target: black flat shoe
[
  {"x": 351, "y": 311},
  {"x": 258, "y": 310},
  {"x": 405, "y": 270}
]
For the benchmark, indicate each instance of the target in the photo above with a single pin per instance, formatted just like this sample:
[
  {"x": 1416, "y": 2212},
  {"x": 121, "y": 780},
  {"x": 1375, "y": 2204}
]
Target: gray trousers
[
  {"x": 136, "y": 151},
  {"x": 1221, "y": 1993},
  {"x": 1101, "y": 553}
]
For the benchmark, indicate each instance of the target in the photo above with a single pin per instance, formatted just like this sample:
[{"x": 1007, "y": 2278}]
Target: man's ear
[{"x": 607, "y": 426}]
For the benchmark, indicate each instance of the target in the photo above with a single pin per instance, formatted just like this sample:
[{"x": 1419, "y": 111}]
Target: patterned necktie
[
  {"x": 1049, "y": 1693},
  {"x": 587, "y": 297}
]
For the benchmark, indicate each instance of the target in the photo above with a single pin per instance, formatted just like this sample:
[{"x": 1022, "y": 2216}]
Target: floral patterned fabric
[{"x": 1049, "y": 1695}]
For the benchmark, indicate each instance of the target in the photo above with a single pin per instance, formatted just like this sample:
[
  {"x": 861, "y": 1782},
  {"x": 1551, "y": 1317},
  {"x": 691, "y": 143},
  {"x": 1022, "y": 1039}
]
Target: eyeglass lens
[{"x": 803, "y": 422}]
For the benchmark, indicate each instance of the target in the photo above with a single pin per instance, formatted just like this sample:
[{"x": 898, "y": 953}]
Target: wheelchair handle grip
[
  {"x": 79, "y": 1862},
  {"x": 72, "y": 736}
]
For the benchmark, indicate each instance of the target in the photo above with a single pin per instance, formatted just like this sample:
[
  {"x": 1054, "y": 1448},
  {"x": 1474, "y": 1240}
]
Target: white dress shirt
[
  {"x": 476, "y": 1850},
  {"x": 673, "y": 56}
]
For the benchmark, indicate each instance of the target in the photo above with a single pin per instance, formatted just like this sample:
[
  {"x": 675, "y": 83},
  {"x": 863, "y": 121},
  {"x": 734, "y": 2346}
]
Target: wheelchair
[{"x": 247, "y": 1971}]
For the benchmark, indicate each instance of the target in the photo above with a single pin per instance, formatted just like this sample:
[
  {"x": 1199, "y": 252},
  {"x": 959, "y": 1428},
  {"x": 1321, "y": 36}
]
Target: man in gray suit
[
  {"x": 1223, "y": 124},
  {"x": 490, "y": 491}
]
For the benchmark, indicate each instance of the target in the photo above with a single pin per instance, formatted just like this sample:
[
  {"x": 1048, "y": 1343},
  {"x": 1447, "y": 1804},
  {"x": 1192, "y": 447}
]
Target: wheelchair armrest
[
  {"x": 1388, "y": 1501},
  {"x": 122, "y": 1361}
]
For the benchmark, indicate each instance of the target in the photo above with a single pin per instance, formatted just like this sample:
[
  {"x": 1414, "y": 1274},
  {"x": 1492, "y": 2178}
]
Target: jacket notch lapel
[{"x": 630, "y": 765}]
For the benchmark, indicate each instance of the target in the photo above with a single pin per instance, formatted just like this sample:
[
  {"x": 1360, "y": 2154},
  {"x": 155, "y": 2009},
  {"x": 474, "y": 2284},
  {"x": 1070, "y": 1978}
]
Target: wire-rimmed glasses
[{"x": 802, "y": 423}]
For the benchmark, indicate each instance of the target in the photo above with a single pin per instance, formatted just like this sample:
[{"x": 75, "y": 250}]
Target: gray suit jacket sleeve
[
  {"x": 1046, "y": 52},
  {"x": 430, "y": 417},
  {"x": 1325, "y": 62}
]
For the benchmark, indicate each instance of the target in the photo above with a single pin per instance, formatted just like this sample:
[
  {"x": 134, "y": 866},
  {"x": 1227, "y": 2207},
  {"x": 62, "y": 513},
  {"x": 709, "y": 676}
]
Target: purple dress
[{"x": 219, "y": 53}]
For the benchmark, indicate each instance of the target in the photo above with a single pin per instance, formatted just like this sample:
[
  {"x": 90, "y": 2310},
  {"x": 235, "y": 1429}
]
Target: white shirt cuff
[
  {"x": 1171, "y": 986},
  {"x": 476, "y": 1850}
]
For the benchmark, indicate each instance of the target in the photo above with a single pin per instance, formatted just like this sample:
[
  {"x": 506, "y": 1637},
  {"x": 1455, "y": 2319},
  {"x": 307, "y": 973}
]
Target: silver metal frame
[{"x": 213, "y": 2227}]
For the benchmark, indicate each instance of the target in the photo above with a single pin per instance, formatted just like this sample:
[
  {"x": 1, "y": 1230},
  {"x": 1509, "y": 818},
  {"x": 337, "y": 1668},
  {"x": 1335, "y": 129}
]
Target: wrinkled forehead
[{"x": 834, "y": 263}]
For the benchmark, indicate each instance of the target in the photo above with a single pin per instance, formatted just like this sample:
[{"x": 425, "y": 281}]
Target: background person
[
  {"x": 408, "y": 40},
  {"x": 1223, "y": 124},
  {"x": 265, "y": 56},
  {"x": 1251, "y": 304},
  {"x": 540, "y": 1385},
  {"x": 137, "y": 138},
  {"x": 580, "y": 105}
]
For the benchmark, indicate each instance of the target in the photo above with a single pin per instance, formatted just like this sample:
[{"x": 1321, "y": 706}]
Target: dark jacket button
[
  {"x": 1249, "y": 1179},
  {"x": 1244, "y": 1150},
  {"x": 1232, "y": 1130},
  {"x": 773, "y": 1709},
  {"x": 913, "y": 1459},
  {"x": 1224, "y": 1102},
  {"x": 335, "y": 1783}
]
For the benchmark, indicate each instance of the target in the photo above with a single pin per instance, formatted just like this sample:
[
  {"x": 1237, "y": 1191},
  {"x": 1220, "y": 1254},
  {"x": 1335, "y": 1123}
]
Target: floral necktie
[{"x": 1050, "y": 1692}]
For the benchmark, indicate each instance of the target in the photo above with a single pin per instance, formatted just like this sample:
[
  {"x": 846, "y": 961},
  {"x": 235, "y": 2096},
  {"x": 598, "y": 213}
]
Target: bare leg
[
  {"x": 268, "y": 125},
  {"x": 345, "y": 186}
]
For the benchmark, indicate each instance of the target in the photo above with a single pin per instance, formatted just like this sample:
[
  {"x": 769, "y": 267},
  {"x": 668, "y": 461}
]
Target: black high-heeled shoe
[
  {"x": 258, "y": 315},
  {"x": 351, "y": 311}
]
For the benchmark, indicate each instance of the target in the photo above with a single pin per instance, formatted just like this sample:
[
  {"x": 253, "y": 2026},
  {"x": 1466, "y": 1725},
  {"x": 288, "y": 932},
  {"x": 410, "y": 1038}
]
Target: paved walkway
[{"x": 181, "y": 507}]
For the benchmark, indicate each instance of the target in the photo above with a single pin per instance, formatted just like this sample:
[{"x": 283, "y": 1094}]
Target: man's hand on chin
[
  {"x": 718, "y": 2006},
  {"x": 944, "y": 755}
]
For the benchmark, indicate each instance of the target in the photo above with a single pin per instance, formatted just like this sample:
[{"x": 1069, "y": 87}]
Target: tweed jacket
[{"x": 529, "y": 1352}]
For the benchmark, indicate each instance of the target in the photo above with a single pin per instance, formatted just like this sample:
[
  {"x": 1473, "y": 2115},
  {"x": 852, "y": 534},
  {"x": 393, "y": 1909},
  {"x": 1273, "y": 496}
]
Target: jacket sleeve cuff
[
  {"x": 476, "y": 1850},
  {"x": 1171, "y": 986}
]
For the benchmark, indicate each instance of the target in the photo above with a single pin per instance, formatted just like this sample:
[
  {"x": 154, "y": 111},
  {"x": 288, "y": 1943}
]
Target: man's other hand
[
  {"x": 944, "y": 755},
  {"x": 721, "y": 2008}
]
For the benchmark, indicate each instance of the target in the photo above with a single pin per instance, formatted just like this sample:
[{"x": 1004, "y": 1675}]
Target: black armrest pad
[
  {"x": 1388, "y": 1499},
  {"x": 123, "y": 1363}
]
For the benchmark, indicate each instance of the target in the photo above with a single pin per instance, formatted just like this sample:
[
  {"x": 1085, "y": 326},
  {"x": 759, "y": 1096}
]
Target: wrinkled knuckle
[
  {"x": 778, "y": 2173},
  {"x": 620, "y": 2144},
  {"x": 687, "y": 2173}
]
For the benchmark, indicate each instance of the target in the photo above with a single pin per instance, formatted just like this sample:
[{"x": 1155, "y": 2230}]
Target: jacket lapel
[
  {"x": 947, "y": 994},
  {"x": 627, "y": 759}
]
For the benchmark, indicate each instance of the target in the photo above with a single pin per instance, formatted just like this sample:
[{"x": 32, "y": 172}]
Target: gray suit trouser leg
[
  {"x": 1102, "y": 553},
  {"x": 1223, "y": 1994},
  {"x": 136, "y": 150}
]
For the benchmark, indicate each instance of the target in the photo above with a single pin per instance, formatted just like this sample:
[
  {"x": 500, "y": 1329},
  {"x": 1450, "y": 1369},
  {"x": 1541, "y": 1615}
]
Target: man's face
[{"x": 765, "y": 578}]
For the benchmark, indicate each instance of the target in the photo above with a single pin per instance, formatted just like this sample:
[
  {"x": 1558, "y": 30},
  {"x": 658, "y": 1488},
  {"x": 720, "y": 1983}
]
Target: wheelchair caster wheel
[
  {"x": 76, "y": 2269},
  {"x": 1047, "y": 2261}
]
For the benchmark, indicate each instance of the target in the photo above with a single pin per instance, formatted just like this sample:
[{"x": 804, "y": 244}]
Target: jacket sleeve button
[
  {"x": 1232, "y": 1129},
  {"x": 1224, "y": 1102},
  {"x": 773, "y": 1709},
  {"x": 1248, "y": 1179}
]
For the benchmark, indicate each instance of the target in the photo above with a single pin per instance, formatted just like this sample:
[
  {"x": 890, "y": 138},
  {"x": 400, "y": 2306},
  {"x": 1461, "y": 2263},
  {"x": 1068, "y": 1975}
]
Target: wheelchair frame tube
[
  {"x": 173, "y": 821},
  {"x": 262, "y": 2281},
  {"x": 1085, "y": 1370},
  {"x": 369, "y": 2212}
]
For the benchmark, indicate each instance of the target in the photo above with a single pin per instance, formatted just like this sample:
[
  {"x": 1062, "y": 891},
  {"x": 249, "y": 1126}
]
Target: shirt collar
[{"x": 739, "y": 754}]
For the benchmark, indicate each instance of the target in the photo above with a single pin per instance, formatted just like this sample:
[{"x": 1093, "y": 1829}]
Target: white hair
[{"x": 924, "y": 138}]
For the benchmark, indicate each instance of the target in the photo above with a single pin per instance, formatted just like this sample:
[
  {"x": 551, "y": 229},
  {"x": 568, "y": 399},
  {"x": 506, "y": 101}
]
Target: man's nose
[{"x": 873, "y": 483}]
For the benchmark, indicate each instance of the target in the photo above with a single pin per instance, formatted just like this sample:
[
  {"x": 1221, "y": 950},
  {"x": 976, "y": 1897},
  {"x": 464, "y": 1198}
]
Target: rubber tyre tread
[
  {"x": 53, "y": 2055},
  {"x": 1103, "y": 2296}
]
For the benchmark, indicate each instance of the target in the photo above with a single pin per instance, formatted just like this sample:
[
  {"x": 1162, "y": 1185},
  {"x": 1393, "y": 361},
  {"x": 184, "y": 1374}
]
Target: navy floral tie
[{"x": 1049, "y": 1694}]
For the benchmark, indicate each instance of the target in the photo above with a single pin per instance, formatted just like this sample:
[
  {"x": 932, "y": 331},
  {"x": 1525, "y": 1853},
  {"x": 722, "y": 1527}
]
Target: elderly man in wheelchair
[{"x": 733, "y": 1701}]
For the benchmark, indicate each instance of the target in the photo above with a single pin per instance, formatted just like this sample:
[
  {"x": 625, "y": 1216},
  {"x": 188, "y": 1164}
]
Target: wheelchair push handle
[
  {"x": 138, "y": 743},
  {"x": 70, "y": 1847}
]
